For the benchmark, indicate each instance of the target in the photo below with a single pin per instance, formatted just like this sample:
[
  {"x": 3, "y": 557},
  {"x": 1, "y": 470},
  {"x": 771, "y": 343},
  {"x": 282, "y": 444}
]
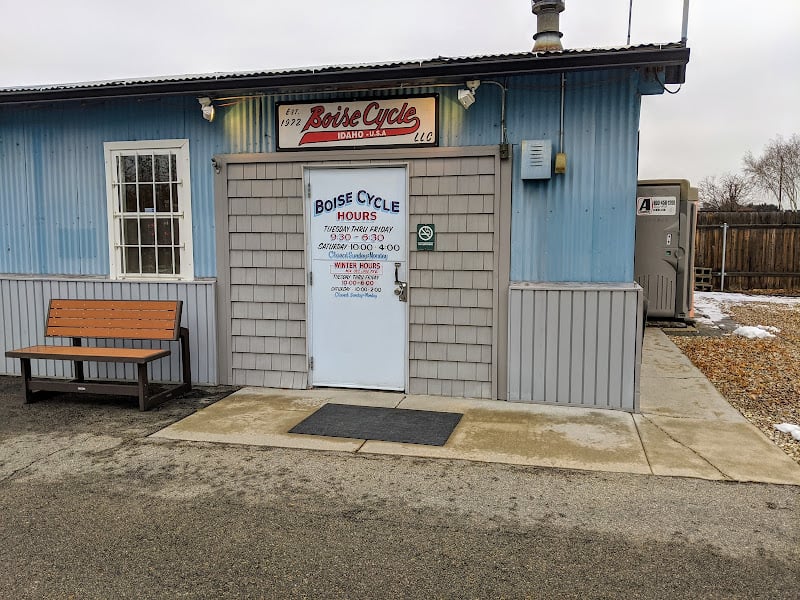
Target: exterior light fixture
[
  {"x": 467, "y": 97},
  {"x": 207, "y": 108}
]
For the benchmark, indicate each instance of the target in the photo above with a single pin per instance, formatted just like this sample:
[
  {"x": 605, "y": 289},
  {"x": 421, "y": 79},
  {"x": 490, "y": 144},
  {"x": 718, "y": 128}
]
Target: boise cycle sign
[{"x": 408, "y": 121}]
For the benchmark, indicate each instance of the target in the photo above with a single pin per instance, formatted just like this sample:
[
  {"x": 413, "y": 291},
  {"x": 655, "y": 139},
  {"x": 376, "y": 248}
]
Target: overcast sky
[{"x": 742, "y": 89}]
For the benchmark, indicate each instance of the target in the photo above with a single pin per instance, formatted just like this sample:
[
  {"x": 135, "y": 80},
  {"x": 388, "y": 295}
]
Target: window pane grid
[{"x": 145, "y": 185}]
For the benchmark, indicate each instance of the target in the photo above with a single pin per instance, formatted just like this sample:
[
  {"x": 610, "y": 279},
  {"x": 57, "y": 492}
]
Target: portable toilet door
[{"x": 666, "y": 216}]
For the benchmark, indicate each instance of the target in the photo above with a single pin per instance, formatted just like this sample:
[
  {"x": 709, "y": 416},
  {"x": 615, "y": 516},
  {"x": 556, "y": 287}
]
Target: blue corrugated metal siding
[
  {"x": 575, "y": 227},
  {"x": 578, "y": 226},
  {"x": 53, "y": 190},
  {"x": 243, "y": 127},
  {"x": 17, "y": 227}
]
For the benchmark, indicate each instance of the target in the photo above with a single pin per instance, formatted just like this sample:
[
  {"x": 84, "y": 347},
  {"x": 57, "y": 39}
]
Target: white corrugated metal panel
[
  {"x": 23, "y": 308},
  {"x": 575, "y": 344}
]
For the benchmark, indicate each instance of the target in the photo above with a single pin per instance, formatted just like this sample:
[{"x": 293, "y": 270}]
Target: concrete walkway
[{"x": 685, "y": 428}]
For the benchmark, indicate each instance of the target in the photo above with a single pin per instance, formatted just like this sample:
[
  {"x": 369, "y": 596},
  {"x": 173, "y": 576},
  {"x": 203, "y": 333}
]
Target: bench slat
[
  {"x": 133, "y": 355},
  {"x": 114, "y": 319},
  {"x": 115, "y": 304},
  {"x": 111, "y": 333},
  {"x": 98, "y": 322},
  {"x": 111, "y": 313}
]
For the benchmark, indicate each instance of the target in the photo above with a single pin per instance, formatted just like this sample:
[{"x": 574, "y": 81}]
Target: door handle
[{"x": 402, "y": 290}]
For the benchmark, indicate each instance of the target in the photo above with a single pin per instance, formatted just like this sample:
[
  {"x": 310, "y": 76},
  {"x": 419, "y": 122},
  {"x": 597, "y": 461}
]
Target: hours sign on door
[{"x": 357, "y": 231}]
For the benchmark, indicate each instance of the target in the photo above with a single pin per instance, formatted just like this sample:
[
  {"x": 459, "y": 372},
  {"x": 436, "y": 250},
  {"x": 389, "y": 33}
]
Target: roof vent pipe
[{"x": 548, "y": 34}]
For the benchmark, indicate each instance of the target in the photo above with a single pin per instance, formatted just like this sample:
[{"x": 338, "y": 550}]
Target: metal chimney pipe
[{"x": 548, "y": 34}]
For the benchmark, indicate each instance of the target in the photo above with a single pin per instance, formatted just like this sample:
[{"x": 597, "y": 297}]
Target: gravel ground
[{"x": 761, "y": 377}]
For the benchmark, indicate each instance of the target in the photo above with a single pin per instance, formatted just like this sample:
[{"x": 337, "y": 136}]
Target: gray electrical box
[
  {"x": 536, "y": 161},
  {"x": 666, "y": 217}
]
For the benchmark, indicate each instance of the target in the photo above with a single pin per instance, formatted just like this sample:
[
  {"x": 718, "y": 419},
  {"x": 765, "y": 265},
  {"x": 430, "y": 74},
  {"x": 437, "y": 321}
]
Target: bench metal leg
[
  {"x": 143, "y": 387},
  {"x": 78, "y": 364},
  {"x": 152, "y": 400},
  {"x": 185, "y": 364},
  {"x": 26, "y": 380}
]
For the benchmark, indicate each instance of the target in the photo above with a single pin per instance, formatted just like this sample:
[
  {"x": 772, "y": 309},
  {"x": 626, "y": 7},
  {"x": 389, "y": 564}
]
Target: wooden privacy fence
[{"x": 762, "y": 249}]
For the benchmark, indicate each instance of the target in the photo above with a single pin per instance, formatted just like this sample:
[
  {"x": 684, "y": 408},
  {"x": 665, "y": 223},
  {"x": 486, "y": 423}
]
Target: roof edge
[{"x": 673, "y": 58}]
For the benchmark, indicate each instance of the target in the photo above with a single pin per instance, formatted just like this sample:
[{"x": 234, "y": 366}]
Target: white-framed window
[{"x": 149, "y": 209}]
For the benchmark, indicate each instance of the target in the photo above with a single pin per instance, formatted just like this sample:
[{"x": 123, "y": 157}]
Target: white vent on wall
[{"x": 537, "y": 159}]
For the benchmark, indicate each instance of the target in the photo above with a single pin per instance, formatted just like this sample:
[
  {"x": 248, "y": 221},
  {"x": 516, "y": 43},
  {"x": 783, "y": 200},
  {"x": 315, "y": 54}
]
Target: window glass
[
  {"x": 163, "y": 203},
  {"x": 131, "y": 200},
  {"x": 161, "y": 167},
  {"x": 145, "y": 168},
  {"x": 151, "y": 222},
  {"x": 146, "y": 197},
  {"x": 129, "y": 168}
]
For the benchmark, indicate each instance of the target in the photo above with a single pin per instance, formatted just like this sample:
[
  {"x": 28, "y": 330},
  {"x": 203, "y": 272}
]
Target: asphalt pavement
[{"x": 92, "y": 507}]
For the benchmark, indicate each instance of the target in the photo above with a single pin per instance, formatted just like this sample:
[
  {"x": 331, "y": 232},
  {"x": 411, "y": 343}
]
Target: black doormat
[{"x": 431, "y": 428}]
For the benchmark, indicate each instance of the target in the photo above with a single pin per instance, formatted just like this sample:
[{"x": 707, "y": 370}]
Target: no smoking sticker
[{"x": 426, "y": 236}]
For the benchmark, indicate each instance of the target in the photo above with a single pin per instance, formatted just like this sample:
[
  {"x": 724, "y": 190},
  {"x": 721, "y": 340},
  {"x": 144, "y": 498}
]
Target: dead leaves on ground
[{"x": 761, "y": 377}]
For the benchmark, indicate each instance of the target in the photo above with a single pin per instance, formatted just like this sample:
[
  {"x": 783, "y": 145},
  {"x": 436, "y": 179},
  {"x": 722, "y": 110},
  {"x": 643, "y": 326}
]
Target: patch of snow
[
  {"x": 752, "y": 332},
  {"x": 711, "y": 307},
  {"x": 732, "y": 298},
  {"x": 790, "y": 428},
  {"x": 708, "y": 310},
  {"x": 770, "y": 328}
]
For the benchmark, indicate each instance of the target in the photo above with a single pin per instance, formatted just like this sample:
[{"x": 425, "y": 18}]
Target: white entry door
[{"x": 357, "y": 219}]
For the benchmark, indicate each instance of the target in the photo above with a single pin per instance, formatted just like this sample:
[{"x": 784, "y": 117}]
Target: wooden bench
[{"x": 112, "y": 320}]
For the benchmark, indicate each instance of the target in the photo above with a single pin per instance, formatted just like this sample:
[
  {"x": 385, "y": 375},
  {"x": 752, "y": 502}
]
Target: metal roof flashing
[{"x": 671, "y": 57}]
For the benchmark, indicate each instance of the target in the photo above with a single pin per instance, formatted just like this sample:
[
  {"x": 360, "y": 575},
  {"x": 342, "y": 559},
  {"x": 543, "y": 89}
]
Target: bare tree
[
  {"x": 777, "y": 170},
  {"x": 730, "y": 192}
]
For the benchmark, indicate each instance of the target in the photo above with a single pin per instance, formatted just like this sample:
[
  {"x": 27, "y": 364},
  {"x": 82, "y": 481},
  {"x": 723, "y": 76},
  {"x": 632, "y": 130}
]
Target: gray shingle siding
[{"x": 451, "y": 301}]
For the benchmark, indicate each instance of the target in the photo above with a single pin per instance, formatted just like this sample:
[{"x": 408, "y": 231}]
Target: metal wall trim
[
  {"x": 363, "y": 155},
  {"x": 575, "y": 344}
]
